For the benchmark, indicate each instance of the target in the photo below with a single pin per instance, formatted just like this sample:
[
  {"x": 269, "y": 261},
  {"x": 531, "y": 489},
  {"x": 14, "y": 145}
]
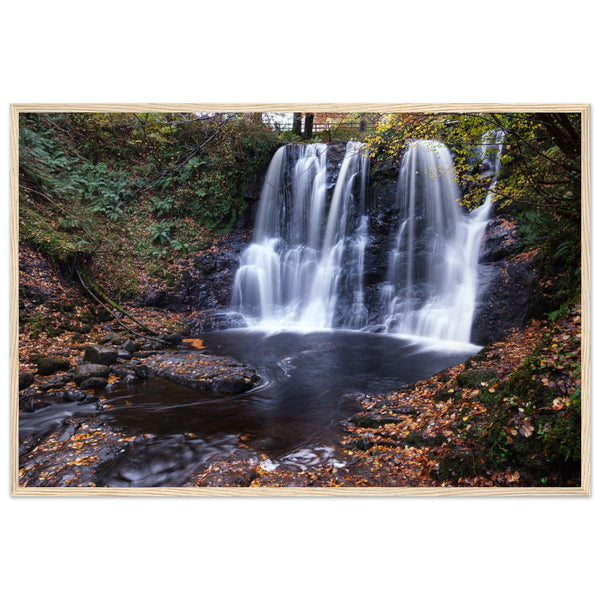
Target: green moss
[
  {"x": 417, "y": 440},
  {"x": 471, "y": 378}
]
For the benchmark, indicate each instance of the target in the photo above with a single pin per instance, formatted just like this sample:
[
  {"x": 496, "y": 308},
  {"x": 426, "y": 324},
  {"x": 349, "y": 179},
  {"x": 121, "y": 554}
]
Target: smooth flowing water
[
  {"x": 432, "y": 273},
  {"x": 305, "y": 268},
  {"x": 308, "y": 247},
  {"x": 294, "y": 418}
]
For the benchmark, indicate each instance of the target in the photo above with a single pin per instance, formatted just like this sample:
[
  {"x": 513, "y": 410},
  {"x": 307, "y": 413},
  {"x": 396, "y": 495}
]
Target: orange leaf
[{"x": 195, "y": 343}]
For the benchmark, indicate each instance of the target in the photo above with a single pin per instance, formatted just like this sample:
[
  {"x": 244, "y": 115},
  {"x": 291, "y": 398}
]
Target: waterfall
[
  {"x": 431, "y": 282},
  {"x": 308, "y": 251},
  {"x": 305, "y": 267}
]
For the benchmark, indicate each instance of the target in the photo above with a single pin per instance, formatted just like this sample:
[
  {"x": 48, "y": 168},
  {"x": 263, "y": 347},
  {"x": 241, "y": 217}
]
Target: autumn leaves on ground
[
  {"x": 509, "y": 416},
  {"x": 506, "y": 417}
]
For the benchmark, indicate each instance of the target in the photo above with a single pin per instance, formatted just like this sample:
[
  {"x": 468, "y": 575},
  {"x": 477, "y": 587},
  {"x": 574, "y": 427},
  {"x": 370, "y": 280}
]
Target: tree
[
  {"x": 540, "y": 178},
  {"x": 297, "y": 124},
  {"x": 308, "y": 125}
]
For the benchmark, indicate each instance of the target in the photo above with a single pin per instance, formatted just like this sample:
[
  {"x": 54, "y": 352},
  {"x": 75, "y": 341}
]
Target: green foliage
[
  {"x": 541, "y": 153},
  {"x": 539, "y": 183},
  {"x": 117, "y": 188},
  {"x": 160, "y": 232}
]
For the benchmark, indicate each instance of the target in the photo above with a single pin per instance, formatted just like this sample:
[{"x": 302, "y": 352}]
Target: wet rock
[
  {"x": 152, "y": 346},
  {"x": 201, "y": 371},
  {"x": 374, "y": 421},
  {"x": 30, "y": 403},
  {"x": 129, "y": 346},
  {"x": 93, "y": 383},
  {"x": 173, "y": 339},
  {"x": 54, "y": 382},
  {"x": 126, "y": 375},
  {"x": 83, "y": 372},
  {"x": 215, "y": 320},
  {"x": 363, "y": 443},
  {"x": 74, "y": 395},
  {"x": 89, "y": 399},
  {"x": 48, "y": 365},
  {"x": 144, "y": 371},
  {"x": 102, "y": 355},
  {"x": 232, "y": 384},
  {"x": 26, "y": 379}
]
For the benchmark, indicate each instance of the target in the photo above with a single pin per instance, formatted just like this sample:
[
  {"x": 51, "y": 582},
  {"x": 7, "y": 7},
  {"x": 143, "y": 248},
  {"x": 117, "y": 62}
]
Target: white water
[
  {"x": 431, "y": 284},
  {"x": 305, "y": 267},
  {"x": 305, "y": 248}
]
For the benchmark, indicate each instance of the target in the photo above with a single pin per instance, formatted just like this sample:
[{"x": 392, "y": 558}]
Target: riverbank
[{"x": 510, "y": 416}]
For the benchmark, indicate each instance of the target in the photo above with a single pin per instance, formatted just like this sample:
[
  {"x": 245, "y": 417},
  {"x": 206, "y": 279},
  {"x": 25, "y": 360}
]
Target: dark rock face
[
  {"x": 208, "y": 284},
  {"x": 383, "y": 224},
  {"x": 100, "y": 355},
  {"x": 508, "y": 282}
]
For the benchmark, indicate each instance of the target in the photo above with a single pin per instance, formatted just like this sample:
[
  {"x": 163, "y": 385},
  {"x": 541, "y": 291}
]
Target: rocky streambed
[{"x": 61, "y": 402}]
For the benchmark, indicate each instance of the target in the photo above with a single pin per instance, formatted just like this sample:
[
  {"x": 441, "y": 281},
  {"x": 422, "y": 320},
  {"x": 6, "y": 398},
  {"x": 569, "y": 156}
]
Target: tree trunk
[
  {"x": 297, "y": 126},
  {"x": 308, "y": 125}
]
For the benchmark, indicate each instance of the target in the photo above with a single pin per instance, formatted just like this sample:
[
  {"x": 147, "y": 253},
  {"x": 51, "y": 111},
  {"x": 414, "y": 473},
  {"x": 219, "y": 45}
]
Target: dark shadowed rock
[
  {"x": 83, "y": 372},
  {"x": 93, "y": 383},
  {"x": 144, "y": 371},
  {"x": 26, "y": 379},
  {"x": 129, "y": 346},
  {"x": 48, "y": 365},
  {"x": 54, "y": 382},
  {"x": 508, "y": 281},
  {"x": 74, "y": 395},
  {"x": 101, "y": 355}
]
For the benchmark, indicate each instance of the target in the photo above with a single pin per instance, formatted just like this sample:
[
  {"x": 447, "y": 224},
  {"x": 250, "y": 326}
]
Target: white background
[{"x": 461, "y": 51}]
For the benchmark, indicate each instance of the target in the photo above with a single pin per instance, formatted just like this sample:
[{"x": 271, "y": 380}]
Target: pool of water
[{"x": 309, "y": 384}]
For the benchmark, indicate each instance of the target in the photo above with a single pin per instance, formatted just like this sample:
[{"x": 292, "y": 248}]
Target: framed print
[{"x": 325, "y": 299}]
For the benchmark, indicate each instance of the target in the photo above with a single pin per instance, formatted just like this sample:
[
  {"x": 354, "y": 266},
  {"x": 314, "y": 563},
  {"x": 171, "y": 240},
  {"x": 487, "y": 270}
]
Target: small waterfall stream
[
  {"x": 432, "y": 271},
  {"x": 306, "y": 247},
  {"x": 305, "y": 268}
]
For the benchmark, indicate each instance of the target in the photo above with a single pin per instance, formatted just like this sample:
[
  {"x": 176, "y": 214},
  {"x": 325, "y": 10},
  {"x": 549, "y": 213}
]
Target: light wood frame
[{"x": 583, "y": 490}]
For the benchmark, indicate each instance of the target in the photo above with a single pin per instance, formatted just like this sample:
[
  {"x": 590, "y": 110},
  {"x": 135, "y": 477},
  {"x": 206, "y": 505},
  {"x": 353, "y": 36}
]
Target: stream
[{"x": 310, "y": 386}]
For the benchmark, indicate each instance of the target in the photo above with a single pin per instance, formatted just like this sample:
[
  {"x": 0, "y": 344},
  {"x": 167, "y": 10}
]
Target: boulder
[
  {"x": 85, "y": 371},
  {"x": 144, "y": 372},
  {"x": 74, "y": 395},
  {"x": 101, "y": 355},
  {"x": 201, "y": 371},
  {"x": 26, "y": 379},
  {"x": 48, "y": 365},
  {"x": 129, "y": 346},
  {"x": 93, "y": 383}
]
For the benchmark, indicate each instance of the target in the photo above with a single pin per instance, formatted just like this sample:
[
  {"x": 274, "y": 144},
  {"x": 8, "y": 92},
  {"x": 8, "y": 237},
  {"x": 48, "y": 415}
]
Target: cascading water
[
  {"x": 431, "y": 284},
  {"x": 305, "y": 267},
  {"x": 306, "y": 250}
]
